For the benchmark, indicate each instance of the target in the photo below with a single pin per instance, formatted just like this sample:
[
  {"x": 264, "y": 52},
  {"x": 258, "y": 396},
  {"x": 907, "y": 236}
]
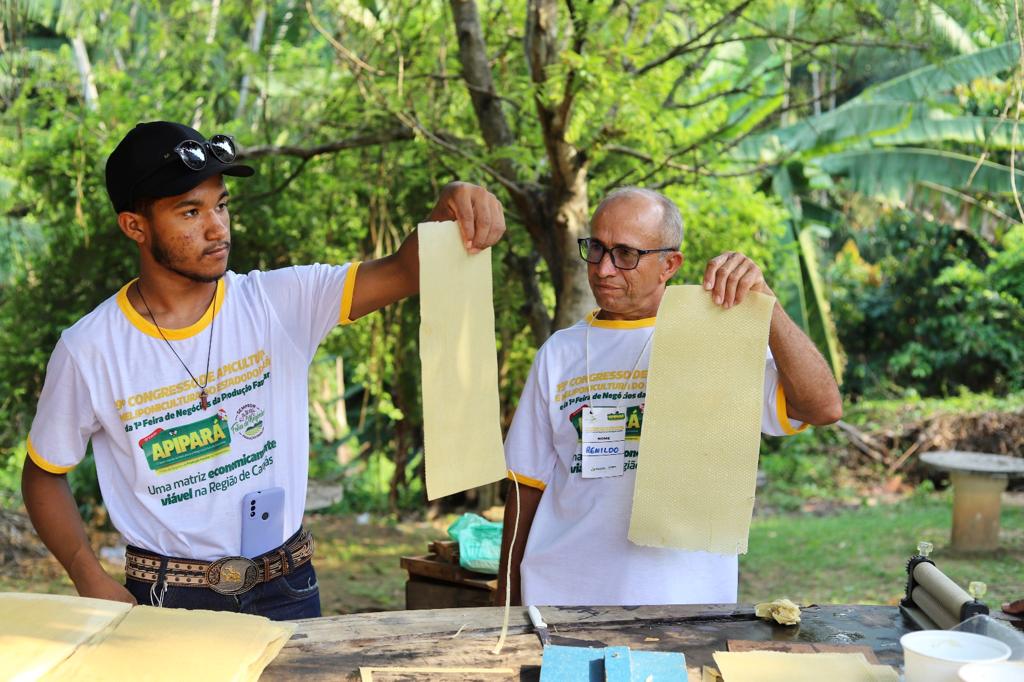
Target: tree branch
[
  {"x": 533, "y": 308},
  {"x": 306, "y": 153},
  {"x": 766, "y": 34},
  {"x": 477, "y": 73},
  {"x": 280, "y": 188},
  {"x": 726, "y": 19}
]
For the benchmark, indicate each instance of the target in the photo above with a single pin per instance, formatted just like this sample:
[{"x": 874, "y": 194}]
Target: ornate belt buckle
[{"x": 232, "y": 575}]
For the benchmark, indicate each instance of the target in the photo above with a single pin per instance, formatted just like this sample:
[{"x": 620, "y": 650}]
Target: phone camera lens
[
  {"x": 265, "y": 516},
  {"x": 252, "y": 514}
]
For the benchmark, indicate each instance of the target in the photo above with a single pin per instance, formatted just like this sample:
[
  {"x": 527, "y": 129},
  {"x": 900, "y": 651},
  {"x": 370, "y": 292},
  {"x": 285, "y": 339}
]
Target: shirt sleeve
[
  {"x": 310, "y": 300},
  {"x": 529, "y": 446},
  {"x": 65, "y": 419},
  {"x": 774, "y": 419}
]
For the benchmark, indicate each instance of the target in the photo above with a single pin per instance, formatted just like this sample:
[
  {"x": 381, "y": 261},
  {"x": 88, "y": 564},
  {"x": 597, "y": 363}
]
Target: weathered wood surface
[
  {"x": 430, "y": 566},
  {"x": 335, "y": 647}
]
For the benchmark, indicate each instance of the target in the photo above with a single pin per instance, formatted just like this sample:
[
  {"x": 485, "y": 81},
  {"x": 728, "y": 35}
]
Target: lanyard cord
[
  {"x": 586, "y": 360},
  {"x": 203, "y": 395}
]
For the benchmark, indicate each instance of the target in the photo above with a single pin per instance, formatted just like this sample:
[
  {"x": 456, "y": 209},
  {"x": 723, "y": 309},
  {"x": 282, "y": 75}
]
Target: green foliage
[
  {"x": 10, "y": 479},
  {"x": 930, "y": 308},
  {"x": 653, "y": 103},
  {"x": 798, "y": 469},
  {"x": 733, "y": 216}
]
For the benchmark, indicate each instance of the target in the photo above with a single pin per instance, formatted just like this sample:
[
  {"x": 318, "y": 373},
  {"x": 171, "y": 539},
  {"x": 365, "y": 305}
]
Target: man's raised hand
[
  {"x": 479, "y": 214},
  {"x": 730, "y": 276}
]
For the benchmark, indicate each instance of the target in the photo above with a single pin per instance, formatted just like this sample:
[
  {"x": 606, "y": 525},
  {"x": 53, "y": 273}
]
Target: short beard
[{"x": 160, "y": 255}]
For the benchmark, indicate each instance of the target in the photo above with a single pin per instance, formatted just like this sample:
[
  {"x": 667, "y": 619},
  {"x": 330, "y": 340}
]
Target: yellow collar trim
[
  {"x": 593, "y": 321},
  {"x": 147, "y": 327}
]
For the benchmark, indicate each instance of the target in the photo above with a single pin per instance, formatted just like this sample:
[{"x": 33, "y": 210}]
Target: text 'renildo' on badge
[{"x": 604, "y": 441}]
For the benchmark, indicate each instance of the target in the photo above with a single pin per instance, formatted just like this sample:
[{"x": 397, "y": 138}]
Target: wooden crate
[{"x": 436, "y": 583}]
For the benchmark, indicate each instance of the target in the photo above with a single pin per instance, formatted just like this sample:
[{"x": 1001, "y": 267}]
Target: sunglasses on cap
[{"x": 194, "y": 154}]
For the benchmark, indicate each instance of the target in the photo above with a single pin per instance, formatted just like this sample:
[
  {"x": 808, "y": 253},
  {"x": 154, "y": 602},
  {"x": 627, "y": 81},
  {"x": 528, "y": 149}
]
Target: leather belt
[{"x": 230, "y": 575}]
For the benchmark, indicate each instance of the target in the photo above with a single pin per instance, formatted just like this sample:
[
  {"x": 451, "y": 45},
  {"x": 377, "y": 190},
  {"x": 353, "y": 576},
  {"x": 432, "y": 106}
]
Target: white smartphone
[{"x": 262, "y": 521}]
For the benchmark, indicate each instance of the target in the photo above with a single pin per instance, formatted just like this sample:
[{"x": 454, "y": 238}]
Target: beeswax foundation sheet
[
  {"x": 153, "y": 644},
  {"x": 461, "y": 423},
  {"x": 697, "y": 465},
  {"x": 38, "y": 631},
  {"x": 777, "y": 666}
]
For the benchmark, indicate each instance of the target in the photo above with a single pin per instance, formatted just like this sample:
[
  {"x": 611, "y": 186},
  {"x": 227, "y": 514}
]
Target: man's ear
[
  {"x": 134, "y": 226},
  {"x": 673, "y": 261}
]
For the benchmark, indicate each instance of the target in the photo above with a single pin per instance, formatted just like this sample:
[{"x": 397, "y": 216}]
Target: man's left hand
[
  {"x": 730, "y": 276},
  {"x": 479, "y": 214}
]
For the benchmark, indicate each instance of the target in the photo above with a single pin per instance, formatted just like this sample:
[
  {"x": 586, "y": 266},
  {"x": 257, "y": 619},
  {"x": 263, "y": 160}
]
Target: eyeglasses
[
  {"x": 193, "y": 153},
  {"x": 623, "y": 257}
]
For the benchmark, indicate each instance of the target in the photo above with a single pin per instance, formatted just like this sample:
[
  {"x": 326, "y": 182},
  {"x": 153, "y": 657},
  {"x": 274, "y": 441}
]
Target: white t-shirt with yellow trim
[
  {"x": 172, "y": 474},
  {"x": 577, "y": 552}
]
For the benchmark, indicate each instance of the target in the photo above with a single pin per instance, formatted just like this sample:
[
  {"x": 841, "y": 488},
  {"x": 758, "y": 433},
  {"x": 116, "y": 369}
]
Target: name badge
[{"x": 604, "y": 442}]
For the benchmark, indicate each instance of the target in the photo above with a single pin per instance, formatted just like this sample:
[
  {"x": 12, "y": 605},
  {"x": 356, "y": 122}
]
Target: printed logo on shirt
[
  {"x": 187, "y": 444},
  {"x": 248, "y": 421},
  {"x": 634, "y": 417}
]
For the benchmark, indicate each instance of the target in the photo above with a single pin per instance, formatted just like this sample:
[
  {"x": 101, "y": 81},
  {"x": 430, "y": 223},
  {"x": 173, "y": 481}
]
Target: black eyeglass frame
[{"x": 585, "y": 244}]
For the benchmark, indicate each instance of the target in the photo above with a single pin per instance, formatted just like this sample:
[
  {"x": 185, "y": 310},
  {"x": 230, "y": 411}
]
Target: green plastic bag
[{"x": 479, "y": 543}]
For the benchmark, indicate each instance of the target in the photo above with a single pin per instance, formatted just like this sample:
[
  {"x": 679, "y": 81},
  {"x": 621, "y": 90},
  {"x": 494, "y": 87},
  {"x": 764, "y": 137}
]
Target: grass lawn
[
  {"x": 860, "y": 555},
  {"x": 849, "y": 556}
]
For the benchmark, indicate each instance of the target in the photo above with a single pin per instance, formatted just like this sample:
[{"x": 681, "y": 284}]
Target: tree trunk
[
  {"x": 255, "y": 38},
  {"x": 567, "y": 208},
  {"x": 554, "y": 211},
  {"x": 575, "y": 299},
  {"x": 341, "y": 414},
  {"x": 89, "y": 93},
  {"x": 211, "y": 35}
]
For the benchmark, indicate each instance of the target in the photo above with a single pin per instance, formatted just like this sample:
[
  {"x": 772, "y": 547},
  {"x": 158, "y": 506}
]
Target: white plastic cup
[
  {"x": 1004, "y": 671},
  {"x": 938, "y": 655}
]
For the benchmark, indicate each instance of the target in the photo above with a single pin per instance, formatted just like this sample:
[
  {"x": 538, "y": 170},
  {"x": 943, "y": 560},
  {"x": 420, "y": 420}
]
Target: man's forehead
[
  {"x": 214, "y": 184},
  {"x": 629, "y": 219}
]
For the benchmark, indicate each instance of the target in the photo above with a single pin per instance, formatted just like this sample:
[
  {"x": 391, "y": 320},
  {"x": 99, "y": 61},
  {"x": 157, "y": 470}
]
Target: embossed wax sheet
[
  {"x": 154, "y": 644},
  {"x": 777, "y": 666},
  {"x": 461, "y": 422},
  {"x": 38, "y": 631},
  {"x": 702, "y": 423}
]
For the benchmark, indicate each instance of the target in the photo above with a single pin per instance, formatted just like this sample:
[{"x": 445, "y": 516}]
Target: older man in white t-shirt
[{"x": 571, "y": 546}]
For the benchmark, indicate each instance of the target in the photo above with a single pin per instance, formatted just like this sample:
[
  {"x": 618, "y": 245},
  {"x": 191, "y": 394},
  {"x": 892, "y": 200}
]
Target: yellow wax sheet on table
[
  {"x": 461, "y": 419},
  {"x": 776, "y": 666},
  {"x": 38, "y": 631},
  {"x": 697, "y": 467},
  {"x": 155, "y": 644}
]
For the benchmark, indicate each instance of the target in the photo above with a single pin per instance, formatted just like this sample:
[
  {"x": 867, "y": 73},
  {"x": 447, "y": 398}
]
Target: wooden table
[
  {"x": 979, "y": 480},
  {"x": 335, "y": 647}
]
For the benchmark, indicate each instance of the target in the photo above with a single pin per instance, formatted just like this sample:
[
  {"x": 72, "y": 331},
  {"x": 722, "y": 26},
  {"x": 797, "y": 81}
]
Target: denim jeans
[{"x": 296, "y": 595}]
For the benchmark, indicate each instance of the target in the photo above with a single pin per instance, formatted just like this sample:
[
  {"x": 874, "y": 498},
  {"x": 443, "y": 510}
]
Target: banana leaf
[
  {"x": 922, "y": 84},
  {"x": 890, "y": 173},
  {"x": 820, "y": 325}
]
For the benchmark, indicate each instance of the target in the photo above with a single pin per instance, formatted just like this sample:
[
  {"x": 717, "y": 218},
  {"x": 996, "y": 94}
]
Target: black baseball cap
[{"x": 144, "y": 164}]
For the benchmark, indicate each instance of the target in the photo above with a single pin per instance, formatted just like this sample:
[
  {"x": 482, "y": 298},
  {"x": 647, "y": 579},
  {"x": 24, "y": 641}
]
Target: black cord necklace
[{"x": 203, "y": 396}]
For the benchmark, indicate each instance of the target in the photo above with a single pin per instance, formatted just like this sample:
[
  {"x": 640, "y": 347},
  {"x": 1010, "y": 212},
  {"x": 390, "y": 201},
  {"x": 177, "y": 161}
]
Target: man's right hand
[{"x": 102, "y": 586}]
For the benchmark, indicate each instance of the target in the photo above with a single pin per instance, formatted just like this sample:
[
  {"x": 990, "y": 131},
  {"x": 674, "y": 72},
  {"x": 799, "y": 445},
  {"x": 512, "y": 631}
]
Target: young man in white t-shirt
[
  {"x": 191, "y": 384},
  {"x": 571, "y": 546}
]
